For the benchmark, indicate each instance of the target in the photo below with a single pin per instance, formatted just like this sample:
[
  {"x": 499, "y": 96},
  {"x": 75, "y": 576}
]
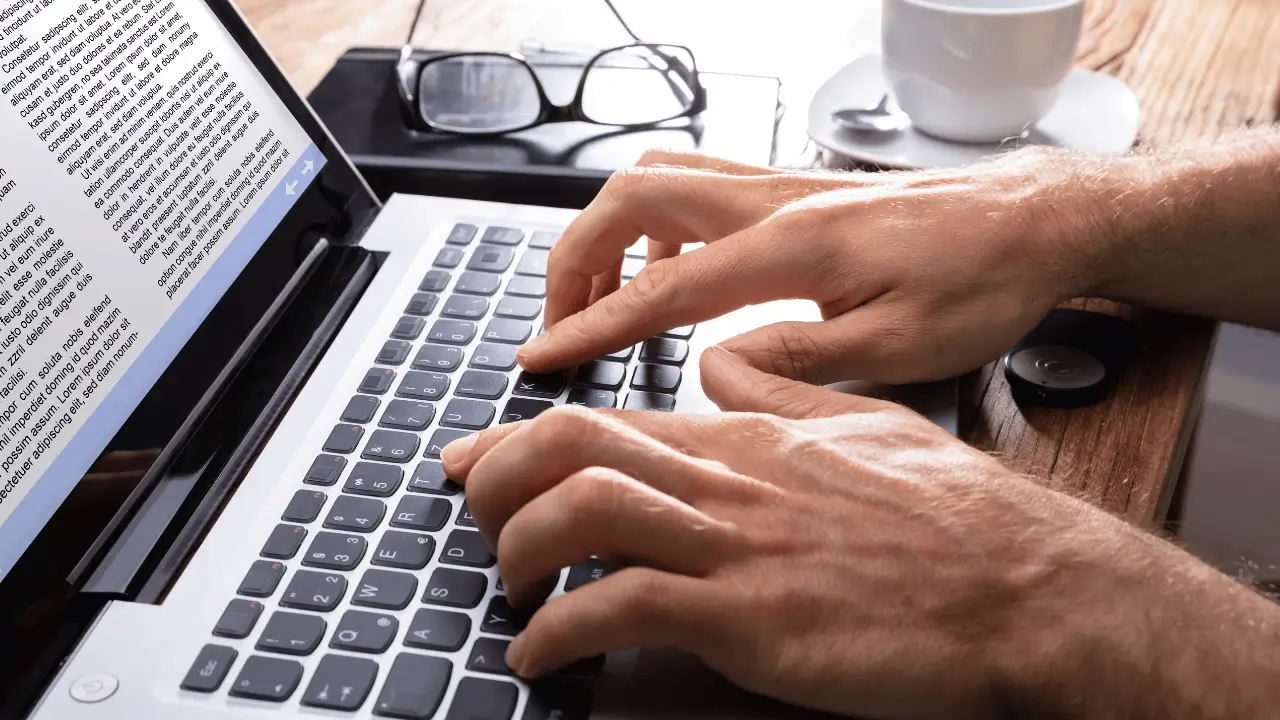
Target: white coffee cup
[{"x": 978, "y": 70}]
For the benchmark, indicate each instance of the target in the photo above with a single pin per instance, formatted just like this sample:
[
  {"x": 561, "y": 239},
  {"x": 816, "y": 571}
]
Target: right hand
[{"x": 919, "y": 275}]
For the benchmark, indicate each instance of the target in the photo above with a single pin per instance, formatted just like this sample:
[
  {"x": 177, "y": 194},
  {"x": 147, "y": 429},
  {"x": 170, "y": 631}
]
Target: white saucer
[{"x": 1096, "y": 113}]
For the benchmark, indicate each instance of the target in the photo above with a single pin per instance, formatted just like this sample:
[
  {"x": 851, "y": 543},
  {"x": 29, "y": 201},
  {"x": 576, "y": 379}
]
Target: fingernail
[
  {"x": 727, "y": 355},
  {"x": 456, "y": 452},
  {"x": 532, "y": 347},
  {"x": 515, "y": 656}
]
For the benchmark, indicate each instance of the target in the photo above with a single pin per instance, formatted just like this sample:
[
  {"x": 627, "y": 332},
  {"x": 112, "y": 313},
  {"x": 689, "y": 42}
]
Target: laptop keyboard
[{"x": 376, "y": 565}]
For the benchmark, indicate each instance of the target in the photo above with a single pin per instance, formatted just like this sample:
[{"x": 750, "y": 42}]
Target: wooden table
[{"x": 1199, "y": 67}]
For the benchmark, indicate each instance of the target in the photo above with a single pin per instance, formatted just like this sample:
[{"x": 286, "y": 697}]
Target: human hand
[{"x": 918, "y": 275}]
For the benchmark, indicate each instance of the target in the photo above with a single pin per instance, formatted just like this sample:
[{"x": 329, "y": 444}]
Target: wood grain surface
[{"x": 1200, "y": 68}]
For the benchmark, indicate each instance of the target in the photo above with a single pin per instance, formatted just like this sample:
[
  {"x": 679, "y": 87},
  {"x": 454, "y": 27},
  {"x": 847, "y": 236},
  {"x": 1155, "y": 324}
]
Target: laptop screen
[{"x": 146, "y": 161}]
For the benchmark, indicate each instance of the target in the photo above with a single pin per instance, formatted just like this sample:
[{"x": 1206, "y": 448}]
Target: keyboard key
[
  {"x": 483, "y": 385},
  {"x": 465, "y": 307},
  {"x": 292, "y": 633},
  {"x": 427, "y": 514},
  {"x": 283, "y": 542},
  {"x": 593, "y": 398},
  {"x": 421, "y": 304},
  {"x": 340, "y": 683},
  {"x": 664, "y": 350},
  {"x": 434, "y": 281},
  {"x": 478, "y": 699},
  {"x": 518, "y": 409},
  {"x": 355, "y": 514},
  {"x": 210, "y": 669},
  {"x": 326, "y": 469},
  {"x": 587, "y": 572},
  {"x": 601, "y": 375},
  {"x": 438, "y": 630},
  {"x": 377, "y": 381},
  {"x": 440, "y": 358},
  {"x": 546, "y": 385},
  {"x": 343, "y": 438},
  {"x": 533, "y": 263},
  {"x": 407, "y": 415},
  {"x": 464, "y": 516},
  {"x": 304, "y": 507},
  {"x": 544, "y": 240},
  {"x": 385, "y": 590},
  {"x": 267, "y": 678},
  {"x": 414, "y": 688},
  {"x": 391, "y": 446},
  {"x": 238, "y": 619},
  {"x": 360, "y": 409},
  {"x": 655, "y": 378},
  {"x": 408, "y": 328},
  {"x": 393, "y": 352},
  {"x": 455, "y": 588},
  {"x": 525, "y": 286},
  {"x": 491, "y": 259},
  {"x": 452, "y": 332},
  {"x": 448, "y": 258},
  {"x": 429, "y": 476},
  {"x": 364, "y": 632},
  {"x": 461, "y": 234},
  {"x": 404, "y": 550},
  {"x": 315, "y": 591},
  {"x": 518, "y": 308},
  {"x": 622, "y": 356},
  {"x": 476, "y": 283},
  {"x": 373, "y": 479},
  {"x": 467, "y": 547},
  {"x": 467, "y": 414},
  {"x": 649, "y": 401},
  {"x": 334, "y": 551},
  {"x": 421, "y": 385},
  {"x": 489, "y": 356},
  {"x": 502, "y": 236},
  {"x": 501, "y": 619},
  {"x": 512, "y": 332},
  {"x": 558, "y": 702},
  {"x": 489, "y": 655},
  {"x": 262, "y": 579}
]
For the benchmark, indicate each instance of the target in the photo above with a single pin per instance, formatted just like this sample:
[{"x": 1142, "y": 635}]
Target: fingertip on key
[{"x": 457, "y": 452}]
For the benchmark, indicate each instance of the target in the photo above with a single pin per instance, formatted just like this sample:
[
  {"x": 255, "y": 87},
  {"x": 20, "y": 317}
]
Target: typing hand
[{"x": 918, "y": 275}]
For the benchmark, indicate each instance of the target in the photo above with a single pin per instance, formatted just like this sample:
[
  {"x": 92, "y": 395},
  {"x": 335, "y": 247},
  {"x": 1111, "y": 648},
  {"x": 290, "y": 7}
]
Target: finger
[
  {"x": 697, "y": 161},
  {"x": 735, "y": 386},
  {"x": 604, "y": 513},
  {"x": 606, "y": 282}
]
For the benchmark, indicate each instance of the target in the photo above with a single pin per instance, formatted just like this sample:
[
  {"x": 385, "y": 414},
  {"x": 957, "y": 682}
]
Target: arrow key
[
  {"x": 341, "y": 683},
  {"x": 267, "y": 678}
]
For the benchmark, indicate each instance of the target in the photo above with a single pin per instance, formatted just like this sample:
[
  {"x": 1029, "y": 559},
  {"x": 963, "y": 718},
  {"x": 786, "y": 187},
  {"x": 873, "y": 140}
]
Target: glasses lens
[
  {"x": 478, "y": 93},
  {"x": 639, "y": 84}
]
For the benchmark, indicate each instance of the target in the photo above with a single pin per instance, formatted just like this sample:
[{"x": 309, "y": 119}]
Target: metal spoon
[{"x": 880, "y": 118}]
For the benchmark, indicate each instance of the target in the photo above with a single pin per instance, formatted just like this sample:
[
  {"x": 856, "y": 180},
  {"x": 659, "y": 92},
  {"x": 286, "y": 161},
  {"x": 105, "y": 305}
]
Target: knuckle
[
  {"x": 568, "y": 421},
  {"x": 641, "y": 588},
  {"x": 628, "y": 181},
  {"x": 590, "y": 491},
  {"x": 662, "y": 156},
  {"x": 793, "y": 352},
  {"x": 650, "y": 284}
]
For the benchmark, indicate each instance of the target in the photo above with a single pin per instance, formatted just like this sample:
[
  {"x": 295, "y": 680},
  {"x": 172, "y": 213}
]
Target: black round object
[{"x": 1071, "y": 359}]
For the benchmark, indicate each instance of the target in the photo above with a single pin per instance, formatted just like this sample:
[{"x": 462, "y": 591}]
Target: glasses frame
[{"x": 409, "y": 73}]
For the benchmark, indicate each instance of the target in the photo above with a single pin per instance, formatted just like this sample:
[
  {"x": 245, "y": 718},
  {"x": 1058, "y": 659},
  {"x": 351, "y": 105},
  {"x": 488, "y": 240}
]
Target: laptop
[{"x": 227, "y": 376}]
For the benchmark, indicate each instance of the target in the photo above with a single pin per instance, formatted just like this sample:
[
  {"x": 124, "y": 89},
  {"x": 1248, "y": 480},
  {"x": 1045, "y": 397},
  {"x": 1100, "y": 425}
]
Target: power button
[{"x": 94, "y": 688}]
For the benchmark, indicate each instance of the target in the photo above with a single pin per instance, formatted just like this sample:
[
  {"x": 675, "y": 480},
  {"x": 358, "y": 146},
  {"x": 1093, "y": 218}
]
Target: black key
[
  {"x": 355, "y": 514},
  {"x": 360, "y": 409},
  {"x": 655, "y": 378},
  {"x": 420, "y": 385},
  {"x": 434, "y": 281},
  {"x": 414, "y": 688},
  {"x": 518, "y": 308},
  {"x": 464, "y": 516},
  {"x": 533, "y": 263},
  {"x": 429, "y": 476},
  {"x": 210, "y": 669},
  {"x": 404, "y": 550},
  {"x": 304, "y": 507},
  {"x": 489, "y": 655},
  {"x": 343, "y": 439},
  {"x": 448, "y": 258},
  {"x": 455, "y": 588},
  {"x": 558, "y": 702},
  {"x": 391, "y": 446},
  {"x": 267, "y": 678},
  {"x": 465, "y": 307},
  {"x": 326, "y": 469},
  {"x": 238, "y": 619},
  {"x": 501, "y": 619},
  {"x": 438, "y": 630},
  {"x": 373, "y": 479},
  {"x": 385, "y": 589},
  {"x": 467, "y": 547},
  {"x": 364, "y": 632},
  {"x": 664, "y": 350},
  {"x": 467, "y": 414},
  {"x": 623, "y": 355},
  {"x": 283, "y": 542},
  {"x": 525, "y": 286},
  {"x": 393, "y": 352},
  {"x": 332, "y": 551},
  {"x": 421, "y": 304},
  {"x": 475, "y": 283},
  {"x": 502, "y": 236},
  {"x": 262, "y": 579},
  {"x": 340, "y": 683},
  {"x": 440, "y": 358},
  {"x": 592, "y": 398},
  {"x": 427, "y": 514},
  {"x": 601, "y": 375},
  {"x": 680, "y": 333},
  {"x": 489, "y": 356},
  {"x": 377, "y": 381},
  {"x": 452, "y": 332},
  {"x": 649, "y": 401},
  {"x": 544, "y": 240},
  {"x": 408, "y": 328},
  {"x": 478, "y": 699},
  {"x": 408, "y": 415},
  {"x": 588, "y": 572},
  {"x": 547, "y": 385},
  {"x": 512, "y": 332},
  {"x": 483, "y": 385},
  {"x": 292, "y": 633},
  {"x": 315, "y": 591},
  {"x": 518, "y": 409},
  {"x": 461, "y": 234},
  {"x": 491, "y": 259}
]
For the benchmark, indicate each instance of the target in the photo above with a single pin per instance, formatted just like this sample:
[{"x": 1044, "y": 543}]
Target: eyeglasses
[{"x": 476, "y": 93}]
